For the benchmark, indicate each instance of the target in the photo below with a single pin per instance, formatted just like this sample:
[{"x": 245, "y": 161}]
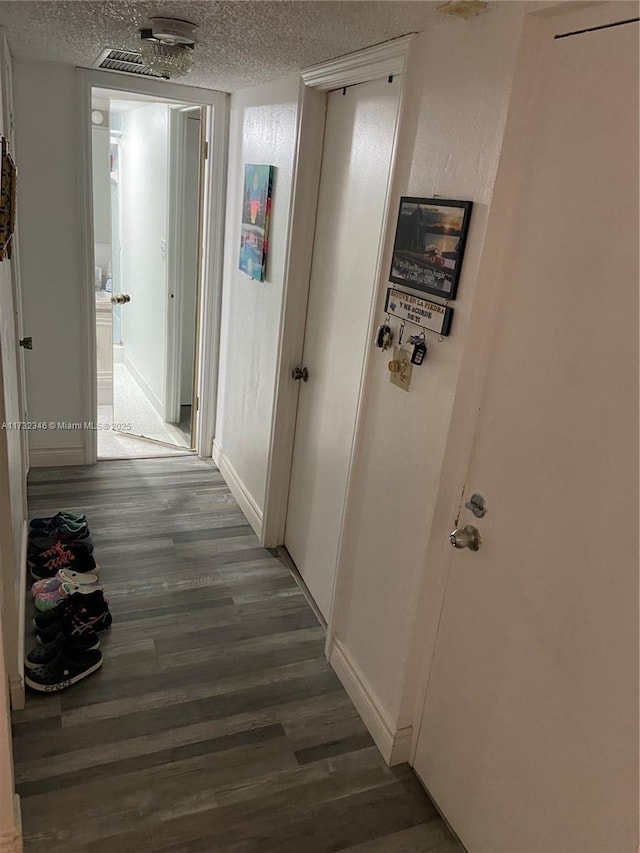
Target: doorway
[
  {"x": 356, "y": 163},
  {"x": 147, "y": 202}
]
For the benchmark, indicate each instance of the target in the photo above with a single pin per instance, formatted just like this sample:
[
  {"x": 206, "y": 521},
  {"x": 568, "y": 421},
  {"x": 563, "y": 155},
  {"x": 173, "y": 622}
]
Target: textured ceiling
[{"x": 239, "y": 43}]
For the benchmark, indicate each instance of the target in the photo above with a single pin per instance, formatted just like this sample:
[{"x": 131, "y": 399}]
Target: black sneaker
[
  {"x": 65, "y": 669},
  {"x": 46, "y": 653},
  {"x": 70, "y": 555},
  {"x": 86, "y": 612}
]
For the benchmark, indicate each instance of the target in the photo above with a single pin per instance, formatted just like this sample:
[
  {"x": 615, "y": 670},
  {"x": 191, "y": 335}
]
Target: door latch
[{"x": 300, "y": 373}]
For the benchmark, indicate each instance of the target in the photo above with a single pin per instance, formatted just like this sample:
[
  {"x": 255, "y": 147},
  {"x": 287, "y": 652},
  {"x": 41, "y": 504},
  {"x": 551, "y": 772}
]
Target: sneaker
[
  {"x": 78, "y": 615},
  {"x": 63, "y": 576},
  {"x": 72, "y": 555},
  {"x": 49, "y": 524},
  {"x": 67, "y": 668},
  {"x": 46, "y": 653},
  {"x": 48, "y": 600},
  {"x": 65, "y": 533}
]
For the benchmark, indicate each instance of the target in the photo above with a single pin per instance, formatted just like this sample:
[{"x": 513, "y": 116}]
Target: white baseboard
[
  {"x": 16, "y": 682},
  {"x": 11, "y": 840},
  {"x": 144, "y": 386},
  {"x": 52, "y": 457},
  {"x": 394, "y": 744},
  {"x": 246, "y": 502}
]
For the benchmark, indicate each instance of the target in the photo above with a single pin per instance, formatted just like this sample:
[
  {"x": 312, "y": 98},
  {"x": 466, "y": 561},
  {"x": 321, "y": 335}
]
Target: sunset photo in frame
[{"x": 429, "y": 244}]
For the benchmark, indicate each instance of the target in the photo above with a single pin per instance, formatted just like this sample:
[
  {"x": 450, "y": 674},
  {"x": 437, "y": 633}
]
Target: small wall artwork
[{"x": 256, "y": 212}]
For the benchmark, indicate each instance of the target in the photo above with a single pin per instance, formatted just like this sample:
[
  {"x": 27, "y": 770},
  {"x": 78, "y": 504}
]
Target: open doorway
[{"x": 147, "y": 203}]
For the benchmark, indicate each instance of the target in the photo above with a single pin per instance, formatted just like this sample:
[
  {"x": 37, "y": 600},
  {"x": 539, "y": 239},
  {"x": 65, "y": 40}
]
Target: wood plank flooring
[{"x": 215, "y": 723}]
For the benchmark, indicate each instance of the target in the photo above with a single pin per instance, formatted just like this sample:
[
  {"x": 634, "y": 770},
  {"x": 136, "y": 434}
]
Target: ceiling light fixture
[
  {"x": 167, "y": 46},
  {"x": 462, "y": 8}
]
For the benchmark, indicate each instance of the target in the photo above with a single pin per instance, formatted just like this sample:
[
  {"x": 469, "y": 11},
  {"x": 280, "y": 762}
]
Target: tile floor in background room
[
  {"x": 130, "y": 405},
  {"x": 215, "y": 723}
]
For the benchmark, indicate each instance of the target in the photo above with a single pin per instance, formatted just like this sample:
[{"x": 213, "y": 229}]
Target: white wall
[
  {"x": 457, "y": 96},
  {"x": 262, "y": 130},
  {"x": 143, "y": 204},
  {"x": 47, "y": 154}
]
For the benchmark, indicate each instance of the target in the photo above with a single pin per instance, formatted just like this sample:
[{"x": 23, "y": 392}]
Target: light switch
[{"x": 400, "y": 368}]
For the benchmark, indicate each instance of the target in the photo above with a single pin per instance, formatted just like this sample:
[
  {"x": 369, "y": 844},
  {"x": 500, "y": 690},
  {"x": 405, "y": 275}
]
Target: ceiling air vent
[{"x": 124, "y": 61}]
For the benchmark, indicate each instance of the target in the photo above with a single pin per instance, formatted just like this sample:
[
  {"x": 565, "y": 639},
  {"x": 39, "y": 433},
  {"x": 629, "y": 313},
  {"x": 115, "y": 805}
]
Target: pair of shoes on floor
[
  {"x": 49, "y": 525},
  {"x": 76, "y": 556},
  {"x": 66, "y": 532},
  {"x": 69, "y": 646},
  {"x": 48, "y": 593}
]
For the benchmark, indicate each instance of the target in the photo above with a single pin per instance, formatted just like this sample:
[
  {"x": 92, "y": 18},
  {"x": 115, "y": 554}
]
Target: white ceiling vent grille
[{"x": 124, "y": 61}]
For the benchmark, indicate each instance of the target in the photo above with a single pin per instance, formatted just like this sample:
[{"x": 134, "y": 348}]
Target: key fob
[{"x": 419, "y": 351}]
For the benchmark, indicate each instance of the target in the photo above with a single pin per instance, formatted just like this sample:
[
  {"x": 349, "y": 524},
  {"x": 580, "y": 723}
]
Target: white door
[
  {"x": 529, "y": 739},
  {"x": 13, "y": 446},
  {"x": 358, "y": 142}
]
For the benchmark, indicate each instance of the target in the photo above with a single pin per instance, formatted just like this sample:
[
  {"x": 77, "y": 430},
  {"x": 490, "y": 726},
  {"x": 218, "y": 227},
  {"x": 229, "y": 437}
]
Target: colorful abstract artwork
[{"x": 256, "y": 212}]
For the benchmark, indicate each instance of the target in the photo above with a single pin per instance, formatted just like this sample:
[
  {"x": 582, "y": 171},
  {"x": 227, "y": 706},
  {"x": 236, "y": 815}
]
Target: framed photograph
[
  {"x": 256, "y": 212},
  {"x": 429, "y": 245}
]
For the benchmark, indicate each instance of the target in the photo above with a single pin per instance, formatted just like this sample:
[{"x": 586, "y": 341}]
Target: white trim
[
  {"x": 372, "y": 63},
  {"x": 11, "y": 841},
  {"x": 175, "y": 266},
  {"x": 393, "y": 743},
  {"x": 52, "y": 457},
  {"x": 87, "y": 264},
  {"x": 245, "y": 501},
  {"x": 16, "y": 681},
  {"x": 216, "y": 124},
  {"x": 144, "y": 386},
  {"x": 212, "y": 247}
]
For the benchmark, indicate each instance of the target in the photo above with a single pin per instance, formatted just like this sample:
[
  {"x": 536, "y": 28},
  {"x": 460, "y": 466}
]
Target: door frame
[
  {"x": 491, "y": 288},
  {"x": 373, "y": 63},
  {"x": 176, "y": 258},
  {"x": 216, "y": 121}
]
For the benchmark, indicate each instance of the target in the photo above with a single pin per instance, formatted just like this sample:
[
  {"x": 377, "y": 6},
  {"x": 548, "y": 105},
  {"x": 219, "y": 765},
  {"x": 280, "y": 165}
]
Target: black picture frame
[{"x": 428, "y": 249}]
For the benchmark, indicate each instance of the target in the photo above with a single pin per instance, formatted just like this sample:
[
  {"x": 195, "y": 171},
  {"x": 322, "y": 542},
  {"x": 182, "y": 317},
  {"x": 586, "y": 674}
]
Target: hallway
[{"x": 215, "y": 723}]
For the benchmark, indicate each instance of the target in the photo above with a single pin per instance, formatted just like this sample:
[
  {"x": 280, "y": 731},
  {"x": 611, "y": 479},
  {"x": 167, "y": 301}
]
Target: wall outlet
[{"x": 400, "y": 368}]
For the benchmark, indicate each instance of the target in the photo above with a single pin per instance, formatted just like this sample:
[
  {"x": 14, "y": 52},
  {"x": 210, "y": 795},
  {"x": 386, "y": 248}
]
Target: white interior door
[
  {"x": 358, "y": 143},
  {"x": 529, "y": 739}
]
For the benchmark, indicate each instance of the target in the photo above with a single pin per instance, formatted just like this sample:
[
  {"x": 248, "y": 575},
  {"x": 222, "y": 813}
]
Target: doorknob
[
  {"x": 465, "y": 537},
  {"x": 120, "y": 299},
  {"x": 300, "y": 373}
]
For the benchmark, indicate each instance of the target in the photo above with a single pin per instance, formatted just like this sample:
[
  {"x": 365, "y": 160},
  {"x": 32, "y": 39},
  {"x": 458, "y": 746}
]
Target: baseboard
[
  {"x": 16, "y": 683},
  {"x": 394, "y": 744},
  {"x": 246, "y": 502},
  {"x": 11, "y": 840},
  {"x": 52, "y": 457},
  {"x": 144, "y": 386}
]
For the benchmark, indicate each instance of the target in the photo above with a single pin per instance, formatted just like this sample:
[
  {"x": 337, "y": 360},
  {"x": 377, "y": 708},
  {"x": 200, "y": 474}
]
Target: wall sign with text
[{"x": 422, "y": 312}]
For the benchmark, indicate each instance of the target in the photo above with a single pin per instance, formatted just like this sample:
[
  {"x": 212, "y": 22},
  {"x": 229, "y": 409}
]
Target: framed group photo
[{"x": 429, "y": 244}]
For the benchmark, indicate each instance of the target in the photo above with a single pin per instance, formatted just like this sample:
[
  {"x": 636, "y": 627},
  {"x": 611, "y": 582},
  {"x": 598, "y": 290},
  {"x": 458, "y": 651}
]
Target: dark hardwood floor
[{"x": 215, "y": 723}]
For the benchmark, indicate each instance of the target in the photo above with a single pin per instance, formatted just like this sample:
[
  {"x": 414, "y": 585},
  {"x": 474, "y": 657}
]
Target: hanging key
[{"x": 419, "y": 349}]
